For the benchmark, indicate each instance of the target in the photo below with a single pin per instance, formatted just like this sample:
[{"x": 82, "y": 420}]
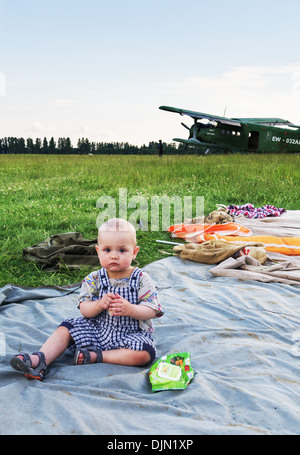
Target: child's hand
[
  {"x": 106, "y": 301},
  {"x": 120, "y": 306}
]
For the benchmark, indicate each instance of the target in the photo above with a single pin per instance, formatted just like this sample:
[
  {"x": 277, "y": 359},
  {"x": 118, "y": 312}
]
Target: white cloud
[
  {"x": 65, "y": 103},
  {"x": 40, "y": 129},
  {"x": 255, "y": 91},
  {"x": 94, "y": 134}
]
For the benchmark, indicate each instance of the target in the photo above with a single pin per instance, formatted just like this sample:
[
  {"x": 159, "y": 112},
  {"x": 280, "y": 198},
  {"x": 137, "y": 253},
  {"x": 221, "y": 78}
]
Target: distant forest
[{"x": 63, "y": 146}]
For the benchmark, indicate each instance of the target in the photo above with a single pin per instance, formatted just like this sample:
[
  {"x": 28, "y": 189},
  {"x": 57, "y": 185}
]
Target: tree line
[{"x": 63, "y": 146}]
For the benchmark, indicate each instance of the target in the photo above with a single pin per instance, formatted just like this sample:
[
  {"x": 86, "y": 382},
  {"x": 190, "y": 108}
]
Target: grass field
[{"x": 43, "y": 195}]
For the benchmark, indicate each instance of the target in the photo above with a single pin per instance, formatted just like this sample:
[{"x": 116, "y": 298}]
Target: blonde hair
[{"x": 117, "y": 225}]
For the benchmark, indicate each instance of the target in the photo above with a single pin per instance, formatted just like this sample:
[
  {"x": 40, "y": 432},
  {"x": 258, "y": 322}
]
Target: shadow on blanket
[{"x": 243, "y": 338}]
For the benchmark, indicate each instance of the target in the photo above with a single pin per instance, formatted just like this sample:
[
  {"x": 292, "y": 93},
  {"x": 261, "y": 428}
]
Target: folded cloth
[
  {"x": 215, "y": 251},
  {"x": 69, "y": 250},
  {"x": 248, "y": 268}
]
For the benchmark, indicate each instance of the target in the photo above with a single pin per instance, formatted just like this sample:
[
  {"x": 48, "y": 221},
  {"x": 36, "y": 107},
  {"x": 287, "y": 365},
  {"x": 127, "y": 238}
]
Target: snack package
[{"x": 171, "y": 372}]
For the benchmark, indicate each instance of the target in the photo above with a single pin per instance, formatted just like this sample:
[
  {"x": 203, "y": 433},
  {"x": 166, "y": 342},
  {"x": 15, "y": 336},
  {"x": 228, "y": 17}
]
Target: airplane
[{"x": 214, "y": 134}]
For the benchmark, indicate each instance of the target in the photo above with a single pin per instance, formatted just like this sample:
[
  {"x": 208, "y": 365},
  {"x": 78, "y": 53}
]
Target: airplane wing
[
  {"x": 210, "y": 148},
  {"x": 269, "y": 122},
  {"x": 197, "y": 143},
  {"x": 200, "y": 115}
]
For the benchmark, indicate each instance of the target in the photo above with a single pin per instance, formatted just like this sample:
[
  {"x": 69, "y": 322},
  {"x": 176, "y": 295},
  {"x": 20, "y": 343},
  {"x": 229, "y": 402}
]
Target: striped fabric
[{"x": 249, "y": 211}]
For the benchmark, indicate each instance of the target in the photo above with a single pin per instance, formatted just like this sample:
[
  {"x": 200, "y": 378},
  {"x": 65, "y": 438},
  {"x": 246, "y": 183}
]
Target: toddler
[{"x": 117, "y": 304}]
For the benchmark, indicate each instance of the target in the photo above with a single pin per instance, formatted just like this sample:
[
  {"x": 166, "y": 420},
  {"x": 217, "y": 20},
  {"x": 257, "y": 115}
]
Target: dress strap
[
  {"x": 134, "y": 278},
  {"x": 104, "y": 281}
]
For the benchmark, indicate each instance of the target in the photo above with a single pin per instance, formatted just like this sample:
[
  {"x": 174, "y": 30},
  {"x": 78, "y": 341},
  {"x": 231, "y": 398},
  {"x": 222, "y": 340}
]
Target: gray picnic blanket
[{"x": 244, "y": 340}]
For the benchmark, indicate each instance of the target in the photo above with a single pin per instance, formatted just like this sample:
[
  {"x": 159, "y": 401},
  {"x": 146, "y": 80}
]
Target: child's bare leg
[
  {"x": 120, "y": 357},
  {"x": 55, "y": 345},
  {"x": 126, "y": 357}
]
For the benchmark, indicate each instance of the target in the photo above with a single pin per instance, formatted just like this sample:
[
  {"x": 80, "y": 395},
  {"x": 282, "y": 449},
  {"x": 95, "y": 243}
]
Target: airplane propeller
[{"x": 185, "y": 126}]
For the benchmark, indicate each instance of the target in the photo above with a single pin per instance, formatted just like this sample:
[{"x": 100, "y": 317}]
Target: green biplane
[{"x": 214, "y": 134}]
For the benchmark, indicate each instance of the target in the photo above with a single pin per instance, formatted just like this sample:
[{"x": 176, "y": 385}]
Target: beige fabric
[
  {"x": 215, "y": 251},
  {"x": 258, "y": 252},
  {"x": 247, "y": 268},
  {"x": 219, "y": 216}
]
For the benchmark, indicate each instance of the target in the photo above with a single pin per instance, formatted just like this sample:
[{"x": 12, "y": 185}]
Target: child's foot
[
  {"x": 33, "y": 366},
  {"x": 81, "y": 358},
  {"x": 33, "y": 358},
  {"x": 88, "y": 354}
]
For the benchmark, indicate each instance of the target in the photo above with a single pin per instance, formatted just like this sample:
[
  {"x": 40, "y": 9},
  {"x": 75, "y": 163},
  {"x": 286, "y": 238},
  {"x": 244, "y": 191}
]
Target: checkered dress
[{"x": 107, "y": 332}]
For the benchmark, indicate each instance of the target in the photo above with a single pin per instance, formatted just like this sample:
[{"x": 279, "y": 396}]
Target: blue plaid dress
[{"x": 107, "y": 332}]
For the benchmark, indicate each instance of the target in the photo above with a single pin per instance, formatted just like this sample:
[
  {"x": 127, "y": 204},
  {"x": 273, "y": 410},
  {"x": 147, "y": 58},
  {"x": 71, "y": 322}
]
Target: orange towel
[
  {"x": 191, "y": 232},
  {"x": 289, "y": 246},
  {"x": 233, "y": 232}
]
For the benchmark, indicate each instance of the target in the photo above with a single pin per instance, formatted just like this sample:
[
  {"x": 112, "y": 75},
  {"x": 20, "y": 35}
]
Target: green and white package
[{"x": 171, "y": 372}]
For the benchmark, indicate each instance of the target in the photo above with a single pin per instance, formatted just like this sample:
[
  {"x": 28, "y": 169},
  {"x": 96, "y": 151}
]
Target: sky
[{"x": 100, "y": 69}]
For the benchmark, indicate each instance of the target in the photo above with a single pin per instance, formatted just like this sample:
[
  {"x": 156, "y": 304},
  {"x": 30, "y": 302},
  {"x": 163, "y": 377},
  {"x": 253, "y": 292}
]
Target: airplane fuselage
[
  {"x": 249, "y": 138},
  {"x": 213, "y": 133}
]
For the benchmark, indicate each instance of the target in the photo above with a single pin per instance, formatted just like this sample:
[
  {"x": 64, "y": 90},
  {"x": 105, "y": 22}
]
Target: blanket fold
[{"x": 249, "y": 268}]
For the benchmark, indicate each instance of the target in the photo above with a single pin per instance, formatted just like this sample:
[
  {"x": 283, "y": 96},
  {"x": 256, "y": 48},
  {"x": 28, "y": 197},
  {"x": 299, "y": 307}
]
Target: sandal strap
[
  {"x": 86, "y": 353},
  {"x": 87, "y": 356},
  {"x": 26, "y": 358},
  {"x": 42, "y": 358},
  {"x": 99, "y": 355},
  {"x": 41, "y": 367},
  {"x": 21, "y": 364}
]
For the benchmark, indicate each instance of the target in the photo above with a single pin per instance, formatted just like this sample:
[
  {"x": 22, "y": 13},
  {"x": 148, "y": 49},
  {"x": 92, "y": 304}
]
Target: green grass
[{"x": 41, "y": 195}]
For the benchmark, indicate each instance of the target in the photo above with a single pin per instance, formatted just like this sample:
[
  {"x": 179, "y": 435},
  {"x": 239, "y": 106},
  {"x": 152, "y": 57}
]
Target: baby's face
[{"x": 116, "y": 250}]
